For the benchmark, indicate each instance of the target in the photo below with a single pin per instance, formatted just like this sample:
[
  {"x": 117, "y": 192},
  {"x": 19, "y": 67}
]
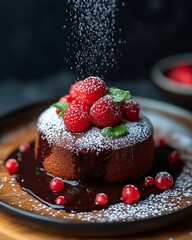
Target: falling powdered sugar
[{"x": 91, "y": 43}]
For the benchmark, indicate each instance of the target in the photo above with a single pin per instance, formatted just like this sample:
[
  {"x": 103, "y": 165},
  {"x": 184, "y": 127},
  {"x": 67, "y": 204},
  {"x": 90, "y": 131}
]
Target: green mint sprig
[
  {"x": 117, "y": 131},
  {"x": 61, "y": 106},
  {"x": 119, "y": 95}
]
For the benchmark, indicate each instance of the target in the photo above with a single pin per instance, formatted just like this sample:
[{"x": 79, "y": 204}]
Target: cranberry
[
  {"x": 130, "y": 194},
  {"x": 149, "y": 181},
  {"x": 101, "y": 199},
  {"x": 60, "y": 200},
  {"x": 12, "y": 166},
  {"x": 163, "y": 180},
  {"x": 174, "y": 156},
  {"x": 56, "y": 184},
  {"x": 24, "y": 147}
]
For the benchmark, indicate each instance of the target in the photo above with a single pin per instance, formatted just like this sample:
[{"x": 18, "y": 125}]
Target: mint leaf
[
  {"x": 119, "y": 95},
  {"x": 61, "y": 106},
  {"x": 116, "y": 131}
]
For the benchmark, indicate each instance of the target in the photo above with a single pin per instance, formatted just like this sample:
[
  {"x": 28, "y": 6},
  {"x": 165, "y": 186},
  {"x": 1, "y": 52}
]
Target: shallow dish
[
  {"x": 180, "y": 93},
  {"x": 170, "y": 122}
]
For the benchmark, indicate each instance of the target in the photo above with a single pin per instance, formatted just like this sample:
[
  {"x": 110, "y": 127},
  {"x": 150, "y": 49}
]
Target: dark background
[{"x": 32, "y": 47}]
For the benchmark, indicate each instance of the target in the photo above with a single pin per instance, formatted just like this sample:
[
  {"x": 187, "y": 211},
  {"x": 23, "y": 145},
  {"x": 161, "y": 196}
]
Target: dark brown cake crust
[{"x": 90, "y": 156}]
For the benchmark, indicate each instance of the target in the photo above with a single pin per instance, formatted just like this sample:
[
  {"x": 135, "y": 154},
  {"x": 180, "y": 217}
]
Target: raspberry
[
  {"x": 56, "y": 184},
  {"x": 76, "y": 120},
  {"x": 174, "y": 156},
  {"x": 130, "y": 110},
  {"x": 130, "y": 194},
  {"x": 80, "y": 105},
  {"x": 163, "y": 180},
  {"x": 91, "y": 90},
  {"x": 74, "y": 89},
  {"x": 60, "y": 200},
  {"x": 12, "y": 166},
  {"x": 105, "y": 112},
  {"x": 66, "y": 98},
  {"x": 101, "y": 199},
  {"x": 24, "y": 147},
  {"x": 149, "y": 181}
]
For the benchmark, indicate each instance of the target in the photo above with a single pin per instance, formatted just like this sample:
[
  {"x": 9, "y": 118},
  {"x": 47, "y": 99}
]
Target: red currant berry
[
  {"x": 174, "y": 156},
  {"x": 101, "y": 199},
  {"x": 56, "y": 184},
  {"x": 130, "y": 194},
  {"x": 91, "y": 90},
  {"x": 160, "y": 142},
  {"x": 58, "y": 111},
  {"x": 12, "y": 166},
  {"x": 24, "y": 147},
  {"x": 163, "y": 180},
  {"x": 60, "y": 200},
  {"x": 149, "y": 181},
  {"x": 130, "y": 110}
]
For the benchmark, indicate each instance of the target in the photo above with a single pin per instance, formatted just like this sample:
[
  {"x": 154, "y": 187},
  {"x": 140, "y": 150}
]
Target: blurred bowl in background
[{"x": 173, "y": 75}]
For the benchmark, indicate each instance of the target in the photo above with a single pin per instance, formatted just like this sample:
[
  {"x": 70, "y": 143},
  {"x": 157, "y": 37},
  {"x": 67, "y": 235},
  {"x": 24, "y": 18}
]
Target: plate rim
[{"x": 90, "y": 228}]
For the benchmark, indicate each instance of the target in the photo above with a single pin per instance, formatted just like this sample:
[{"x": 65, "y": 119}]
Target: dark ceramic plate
[{"x": 170, "y": 122}]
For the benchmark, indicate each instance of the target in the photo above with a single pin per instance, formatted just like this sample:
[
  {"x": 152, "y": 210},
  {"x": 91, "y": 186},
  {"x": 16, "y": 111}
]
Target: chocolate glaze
[
  {"x": 80, "y": 195},
  {"x": 89, "y": 154}
]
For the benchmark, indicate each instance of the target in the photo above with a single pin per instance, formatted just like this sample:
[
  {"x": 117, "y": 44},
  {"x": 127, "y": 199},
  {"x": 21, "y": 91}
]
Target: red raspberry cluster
[{"x": 89, "y": 103}]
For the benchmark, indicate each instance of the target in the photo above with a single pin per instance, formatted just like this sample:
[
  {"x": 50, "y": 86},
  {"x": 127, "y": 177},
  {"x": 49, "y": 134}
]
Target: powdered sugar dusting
[
  {"x": 53, "y": 130},
  {"x": 169, "y": 201}
]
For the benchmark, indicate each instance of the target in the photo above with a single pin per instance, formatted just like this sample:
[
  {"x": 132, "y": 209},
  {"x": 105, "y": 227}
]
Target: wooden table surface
[{"x": 12, "y": 228}]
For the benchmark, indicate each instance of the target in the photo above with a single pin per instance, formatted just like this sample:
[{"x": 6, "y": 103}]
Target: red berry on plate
[
  {"x": 160, "y": 142},
  {"x": 76, "y": 120},
  {"x": 60, "y": 200},
  {"x": 181, "y": 74},
  {"x": 130, "y": 194},
  {"x": 105, "y": 112},
  {"x": 149, "y": 181},
  {"x": 174, "y": 156},
  {"x": 91, "y": 90},
  {"x": 163, "y": 180},
  {"x": 74, "y": 89},
  {"x": 56, "y": 184},
  {"x": 66, "y": 98},
  {"x": 24, "y": 147},
  {"x": 101, "y": 199},
  {"x": 12, "y": 166},
  {"x": 80, "y": 105},
  {"x": 130, "y": 110}
]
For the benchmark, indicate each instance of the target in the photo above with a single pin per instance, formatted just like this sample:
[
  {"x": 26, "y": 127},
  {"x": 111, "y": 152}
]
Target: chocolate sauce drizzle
[{"x": 80, "y": 195}]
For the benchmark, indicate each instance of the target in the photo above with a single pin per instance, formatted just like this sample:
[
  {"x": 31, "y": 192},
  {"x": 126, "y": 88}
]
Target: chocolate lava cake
[{"x": 95, "y": 133}]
